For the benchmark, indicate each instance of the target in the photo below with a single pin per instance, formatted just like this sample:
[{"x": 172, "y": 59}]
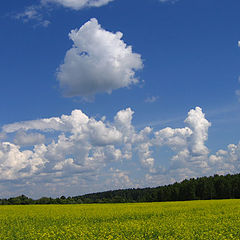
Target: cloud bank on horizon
[
  {"x": 76, "y": 149},
  {"x": 98, "y": 62}
]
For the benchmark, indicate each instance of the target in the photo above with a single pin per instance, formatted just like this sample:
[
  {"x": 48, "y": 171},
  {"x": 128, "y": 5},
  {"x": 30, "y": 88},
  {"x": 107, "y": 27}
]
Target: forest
[{"x": 203, "y": 188}]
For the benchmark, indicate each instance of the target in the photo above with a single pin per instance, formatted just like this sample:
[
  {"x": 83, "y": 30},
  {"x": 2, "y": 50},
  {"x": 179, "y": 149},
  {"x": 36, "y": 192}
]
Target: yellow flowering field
[{"x": 214, "y": 219}]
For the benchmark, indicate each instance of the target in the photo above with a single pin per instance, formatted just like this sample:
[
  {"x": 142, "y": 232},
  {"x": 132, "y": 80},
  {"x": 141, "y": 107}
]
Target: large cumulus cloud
[
  {"x": 99, "y": 61},
  {"x": 47, "y": 154}
]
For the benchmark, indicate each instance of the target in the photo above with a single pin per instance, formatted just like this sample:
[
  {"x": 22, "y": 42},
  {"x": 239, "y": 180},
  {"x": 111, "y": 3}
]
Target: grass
[{"x": 215, "y": 219}]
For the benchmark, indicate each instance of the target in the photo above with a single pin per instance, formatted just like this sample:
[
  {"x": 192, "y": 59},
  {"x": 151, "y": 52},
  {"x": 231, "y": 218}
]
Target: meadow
[{"x": 209, "y": 219}]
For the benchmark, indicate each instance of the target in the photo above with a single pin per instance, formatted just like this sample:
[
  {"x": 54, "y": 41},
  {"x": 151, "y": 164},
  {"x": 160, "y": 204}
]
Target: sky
[{"x": 106, "y": 94}]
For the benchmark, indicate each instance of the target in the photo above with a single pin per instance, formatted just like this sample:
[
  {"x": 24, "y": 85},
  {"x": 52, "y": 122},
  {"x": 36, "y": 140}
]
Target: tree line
[{"x": 203, "y": 188}]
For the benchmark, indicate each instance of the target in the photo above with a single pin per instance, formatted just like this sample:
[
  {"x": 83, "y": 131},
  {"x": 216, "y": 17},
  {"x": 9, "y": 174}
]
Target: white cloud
[
  {"x": 189, "y": 145},
  {"x": 76, "y": 149},
  {"x": 237, "y": 92},
  {"x": 2, "y": 136},
  {"x": 28, "y": 139},
  {"x": 46, "y": 124},
  {"x": 29, "y": 13},
  {"x": 38, "y": 11},
  {"x": 15, "y": 163},
  {"x": 145, "y": 155},
  {"x": 123, "y": 118},
  {"x": 173, "y": 138},
  {"x": 226, "y": 161},
  {"x": 80, "y": 144},
  {"x": 77, "y": 4},
  {"x": 199, "y": 125},
  {"x": 101, "y": 135},
  {"x": 98, "y": 62},
  {"x": 151, "y": 99},
  {"x": 170, "y": 1},
  {"x": 33, "y": 13},
  {"x": 120, "y": 179}
]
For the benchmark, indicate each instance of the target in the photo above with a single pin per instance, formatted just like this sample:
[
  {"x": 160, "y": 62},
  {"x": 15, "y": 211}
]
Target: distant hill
[{"x": 214, "y": 187}]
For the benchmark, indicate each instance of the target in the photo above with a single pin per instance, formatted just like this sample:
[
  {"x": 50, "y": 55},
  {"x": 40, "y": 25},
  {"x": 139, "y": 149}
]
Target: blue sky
[{"x": 96, "y": 109}]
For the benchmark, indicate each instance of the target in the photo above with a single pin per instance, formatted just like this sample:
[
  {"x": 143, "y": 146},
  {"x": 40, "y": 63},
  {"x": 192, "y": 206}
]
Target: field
[{"x": 216, "y": 219}]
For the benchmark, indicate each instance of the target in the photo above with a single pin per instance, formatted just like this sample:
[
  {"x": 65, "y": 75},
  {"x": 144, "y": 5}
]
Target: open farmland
[{"x": 215, "y": 219}]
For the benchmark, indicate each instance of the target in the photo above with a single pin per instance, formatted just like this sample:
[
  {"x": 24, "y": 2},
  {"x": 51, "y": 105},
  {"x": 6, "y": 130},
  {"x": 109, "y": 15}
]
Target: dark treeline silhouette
[{"x": 215, "y": 187}]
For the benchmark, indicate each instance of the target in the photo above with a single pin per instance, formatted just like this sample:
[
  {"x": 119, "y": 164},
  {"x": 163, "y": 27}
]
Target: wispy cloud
[
  {"x": 170, "y": 1},
  {"x": 38, "y": 11},
  {"x": 151, "y": 99},
  {"x": 77, "y": 4},
  {"x": 237, "y": 92},
  {"x": 33, "y": 13}
]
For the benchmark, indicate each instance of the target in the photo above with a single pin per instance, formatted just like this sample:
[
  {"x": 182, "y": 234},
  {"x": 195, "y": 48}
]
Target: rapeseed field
[{"x": 214, "y": 219}]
